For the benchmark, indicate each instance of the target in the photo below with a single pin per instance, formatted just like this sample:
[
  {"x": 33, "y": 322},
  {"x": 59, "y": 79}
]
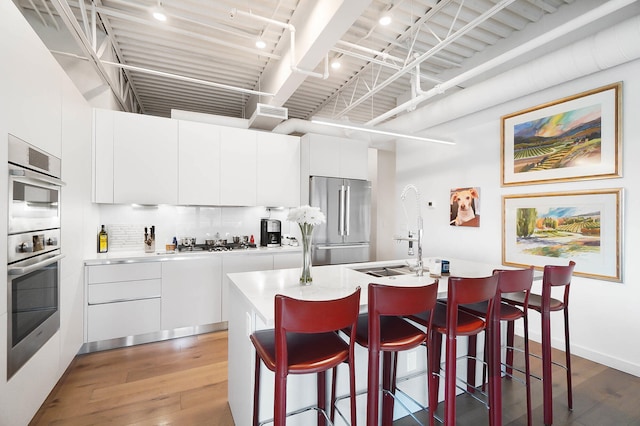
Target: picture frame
[
  {"x": 573, "y": 138},
  {"x": 554, "y": 228},
  {"x": 464, "y": 206}
]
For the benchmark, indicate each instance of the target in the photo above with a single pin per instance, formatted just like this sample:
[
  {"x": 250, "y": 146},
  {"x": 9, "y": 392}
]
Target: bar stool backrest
[
  {"x": 462, "y": 291},
  {"x": 556, "y": 276},
  {"x": 313, "y": 316},
  {"x": 386, "y": 300},
  {"x": 515, "y": 280}
]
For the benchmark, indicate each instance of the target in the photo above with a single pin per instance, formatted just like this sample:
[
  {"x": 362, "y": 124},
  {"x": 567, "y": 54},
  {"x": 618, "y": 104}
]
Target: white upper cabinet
[
  {"x": 278, "y": 170},
  {"x": 145, "y": 149},
  {"x": 198, "y": 163},
  {"x": 238, "y": 166},
  {"x": 103, "y": 155},
  {"x": 151, "y": 160},
  {"x": 332, "y": 156}
]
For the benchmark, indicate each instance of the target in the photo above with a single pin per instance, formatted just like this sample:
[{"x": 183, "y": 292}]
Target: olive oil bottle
[{"x": 103, "y": 241}]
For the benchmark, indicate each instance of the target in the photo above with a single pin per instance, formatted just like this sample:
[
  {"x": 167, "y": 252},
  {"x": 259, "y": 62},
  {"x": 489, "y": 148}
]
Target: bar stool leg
[
  {"x": 450, "y": 381},
  {"x": 322, "y": 396},
  {"x": 372, "y": 388},
  {"x": 472, "y": 352},
  {"x": 387, "y": 385},
  {"x": 547, "y": 385},
  {"x": 435, "y": 353},
  {"x": 567, "y": 352},
  {"x": 256, "y": 392},
  {"x": 510, "y": 342},
  {"x": 527, "y": 368},
  {"x": 334, "y": 377}
]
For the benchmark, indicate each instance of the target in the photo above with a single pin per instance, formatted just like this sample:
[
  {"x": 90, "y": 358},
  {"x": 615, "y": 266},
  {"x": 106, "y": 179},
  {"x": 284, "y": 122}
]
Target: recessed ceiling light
[
  {"x": 158, "y": 12},
  {"x": 335, "y": 64},
  {"x": 385, "y": 19},
  {"x": 160, "y": 16},
  {"x": 260, "y": 44}
]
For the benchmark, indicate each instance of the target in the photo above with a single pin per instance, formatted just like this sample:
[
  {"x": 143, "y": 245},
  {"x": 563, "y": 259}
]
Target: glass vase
[{"x": 307, "y": 233}]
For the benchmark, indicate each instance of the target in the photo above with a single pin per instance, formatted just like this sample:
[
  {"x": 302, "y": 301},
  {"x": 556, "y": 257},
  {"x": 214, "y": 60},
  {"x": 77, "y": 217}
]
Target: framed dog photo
[
  {"x": 554, "y": 228},
  {"x": 465, "y": 207},
  {"x": 573, "y": 138}
]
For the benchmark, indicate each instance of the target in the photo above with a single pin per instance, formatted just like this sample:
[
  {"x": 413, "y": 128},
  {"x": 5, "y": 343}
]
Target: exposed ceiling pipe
[
  {"x": 609, "y": 48},
  {"x": 292, "y": 33},
  {"x": 587, "y": 18},
  {"x": 375, "y": 60}
]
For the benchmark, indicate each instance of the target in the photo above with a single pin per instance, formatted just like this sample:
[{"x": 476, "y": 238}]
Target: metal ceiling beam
[
  {"x": 319, "y": 26},
  {"x": 72, "y": 24},
  {"x": 437, "y": 48},
  {"x": 593, "y": 15}
]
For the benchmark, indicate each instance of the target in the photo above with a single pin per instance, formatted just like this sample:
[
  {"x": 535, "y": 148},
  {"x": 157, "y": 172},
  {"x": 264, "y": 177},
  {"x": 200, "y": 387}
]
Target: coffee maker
[{"x": 270, "y": 233}]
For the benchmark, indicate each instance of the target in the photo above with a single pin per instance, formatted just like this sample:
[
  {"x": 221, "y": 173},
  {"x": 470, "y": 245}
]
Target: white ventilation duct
[{"x": 266, "y": 117}]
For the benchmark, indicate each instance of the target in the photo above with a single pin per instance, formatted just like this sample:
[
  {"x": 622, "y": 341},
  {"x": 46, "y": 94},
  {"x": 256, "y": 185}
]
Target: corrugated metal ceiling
[{"x": 185, "y": 62}]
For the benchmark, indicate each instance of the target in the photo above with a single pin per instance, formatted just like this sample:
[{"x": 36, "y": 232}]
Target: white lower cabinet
[
  {"x": 128, "y": 299},
  {"x": 243, "y": 263},
  {"x": 122, "y": 300},
  {"x": 191, "y": 292},
  {"x": 121, "y": 319},
  {"x": 287, "y": 260}
]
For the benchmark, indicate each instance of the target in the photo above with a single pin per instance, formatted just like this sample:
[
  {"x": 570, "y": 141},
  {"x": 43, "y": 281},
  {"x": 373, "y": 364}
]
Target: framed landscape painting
[
  {"x": 554, "y": 228},
  {"x": 574, "y": 138}
]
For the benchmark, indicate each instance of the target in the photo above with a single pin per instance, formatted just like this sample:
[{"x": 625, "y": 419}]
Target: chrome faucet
[{"x": 419, "y": 233}]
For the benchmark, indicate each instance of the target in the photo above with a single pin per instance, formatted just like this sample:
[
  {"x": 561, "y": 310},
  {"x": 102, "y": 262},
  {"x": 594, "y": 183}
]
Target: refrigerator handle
[
  {"x": 341, "y": 210},
  {"x": 347, "y": 213}
]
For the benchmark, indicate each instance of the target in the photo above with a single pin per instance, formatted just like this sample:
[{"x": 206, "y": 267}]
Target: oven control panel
[{"x": 30, "y": 244}]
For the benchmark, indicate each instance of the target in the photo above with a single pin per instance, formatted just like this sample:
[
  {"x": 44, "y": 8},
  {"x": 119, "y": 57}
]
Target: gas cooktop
[{"x": 216, "y": 247}]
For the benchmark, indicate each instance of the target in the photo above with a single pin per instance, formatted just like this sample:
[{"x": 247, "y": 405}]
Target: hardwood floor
[
  {"x": 184, "y": 382},
  {"x": 180, "y": 382}
]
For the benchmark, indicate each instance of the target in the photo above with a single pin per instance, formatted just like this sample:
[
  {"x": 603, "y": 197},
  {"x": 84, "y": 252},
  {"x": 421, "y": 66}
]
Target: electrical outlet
[{"x": 412, "y": 361}]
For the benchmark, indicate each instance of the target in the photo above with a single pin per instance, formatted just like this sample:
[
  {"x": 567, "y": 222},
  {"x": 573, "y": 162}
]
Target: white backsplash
[{"x": 125, "y": 223}]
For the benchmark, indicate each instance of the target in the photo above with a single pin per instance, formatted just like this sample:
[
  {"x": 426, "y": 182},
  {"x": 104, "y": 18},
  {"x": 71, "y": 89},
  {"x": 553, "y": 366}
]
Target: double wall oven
[{"x": 33, "y": 251}]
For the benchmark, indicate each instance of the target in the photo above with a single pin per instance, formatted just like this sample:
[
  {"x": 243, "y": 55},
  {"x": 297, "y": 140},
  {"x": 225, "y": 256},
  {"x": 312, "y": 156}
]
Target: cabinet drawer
[
  {"x": 97, "y": 274},
  {"x": 123, "y": 291},
  {"x": 112, "y": 320}
]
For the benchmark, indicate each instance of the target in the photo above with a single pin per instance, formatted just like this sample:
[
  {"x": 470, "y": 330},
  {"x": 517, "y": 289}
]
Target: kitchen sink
[{"x": 386, "y": 271}]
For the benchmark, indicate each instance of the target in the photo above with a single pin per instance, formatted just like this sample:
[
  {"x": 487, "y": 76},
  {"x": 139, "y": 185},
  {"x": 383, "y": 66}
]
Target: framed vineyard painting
[
  {"x": 573, "y": 138},
  {"x": 554, "y": 228}
]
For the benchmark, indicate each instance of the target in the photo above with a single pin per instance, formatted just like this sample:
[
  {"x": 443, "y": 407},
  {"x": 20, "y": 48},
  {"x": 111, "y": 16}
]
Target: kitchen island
[{"x": 252, "y": 297}]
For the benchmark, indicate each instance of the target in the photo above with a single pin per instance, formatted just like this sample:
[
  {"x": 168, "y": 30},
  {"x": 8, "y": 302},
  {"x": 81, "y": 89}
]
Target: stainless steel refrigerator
[{"x": 344, "y": 238}]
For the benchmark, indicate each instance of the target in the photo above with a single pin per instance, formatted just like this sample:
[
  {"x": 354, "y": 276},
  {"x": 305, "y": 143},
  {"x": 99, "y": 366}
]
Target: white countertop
[
  {"x": 335, "y": 281},
  {"x": 161, "y": 256}
]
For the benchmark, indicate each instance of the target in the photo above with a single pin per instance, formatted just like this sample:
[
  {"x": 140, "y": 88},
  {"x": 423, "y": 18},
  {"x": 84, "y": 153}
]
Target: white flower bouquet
[{"x": 306, "y": 217}]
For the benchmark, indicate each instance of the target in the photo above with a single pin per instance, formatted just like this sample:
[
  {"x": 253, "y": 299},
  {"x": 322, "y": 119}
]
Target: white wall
[
  {"x": 603, "y": 314},
  {"x": 186, "y": 221},
  {"x": 42, "y": 106}
]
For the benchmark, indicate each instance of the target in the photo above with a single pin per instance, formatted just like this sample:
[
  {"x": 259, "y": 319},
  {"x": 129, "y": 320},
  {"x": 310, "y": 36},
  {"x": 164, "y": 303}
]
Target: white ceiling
[{"x": 204, "y": 60}]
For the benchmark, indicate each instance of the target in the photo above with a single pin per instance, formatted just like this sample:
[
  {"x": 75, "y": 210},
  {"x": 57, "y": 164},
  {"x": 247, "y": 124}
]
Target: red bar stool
[
  {"x": 509, "y": 281},
  {"x": 382, "y": 329},
  {"x": 450, "y": 320},
  {"x": 554, "y": 276},
  {"x": 305, "y": 340}
]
